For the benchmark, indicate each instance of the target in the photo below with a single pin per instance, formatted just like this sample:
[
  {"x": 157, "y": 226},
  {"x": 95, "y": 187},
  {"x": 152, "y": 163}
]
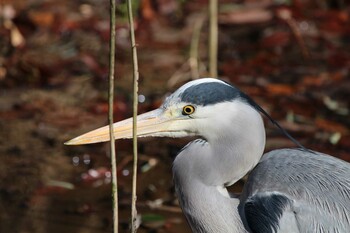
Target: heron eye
[{"x": 188, "y": 110}]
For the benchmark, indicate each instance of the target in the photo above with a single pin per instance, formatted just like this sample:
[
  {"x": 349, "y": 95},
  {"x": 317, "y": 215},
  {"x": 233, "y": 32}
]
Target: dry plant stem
[
  {"x": 135, "y": 101},
  {"x": 182, "y": 74},
  {"x": 194, "y": 47},
  {"x": 213, "y": 37},
  {"x": 110, "y": 116},
  {"x": 286, "y": 15},
  {"x": 292, "y": 24}
]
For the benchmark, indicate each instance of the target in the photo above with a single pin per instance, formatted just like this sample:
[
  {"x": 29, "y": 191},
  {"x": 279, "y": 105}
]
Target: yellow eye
[{"x": 188, "y": 110}]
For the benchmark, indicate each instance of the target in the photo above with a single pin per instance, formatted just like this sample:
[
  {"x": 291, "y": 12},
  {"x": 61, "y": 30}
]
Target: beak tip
[
  {"x": 72, "y": 142},
  {"x": 68, "y": 143},
  {"x": 82, "y": 141}
]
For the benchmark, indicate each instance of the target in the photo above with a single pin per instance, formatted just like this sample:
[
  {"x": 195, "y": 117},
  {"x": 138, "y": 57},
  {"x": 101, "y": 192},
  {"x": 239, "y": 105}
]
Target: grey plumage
[
  {"x": 288, "y": 190},
  {"x": 317, "y": 185},
  {"x": 262, "y": 211}
]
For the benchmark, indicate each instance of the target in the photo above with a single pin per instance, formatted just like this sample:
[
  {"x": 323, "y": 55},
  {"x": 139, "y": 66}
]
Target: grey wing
[
  {"x": 297, "y": 191},
  {"x": 269, "y": 212}
]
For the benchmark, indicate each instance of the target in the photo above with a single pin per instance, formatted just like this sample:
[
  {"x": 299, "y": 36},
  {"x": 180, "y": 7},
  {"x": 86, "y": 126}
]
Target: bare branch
[
  {"x": 135, "y": 101},
  {"x": 110, "y": 116},
  {"x": 213, "y": 38}
]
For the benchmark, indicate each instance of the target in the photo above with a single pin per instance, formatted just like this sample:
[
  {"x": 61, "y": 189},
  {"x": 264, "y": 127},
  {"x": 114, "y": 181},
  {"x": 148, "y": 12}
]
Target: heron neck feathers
[
  {"x": 234, "y": 144},
  {"x": 232, "y": 148}
]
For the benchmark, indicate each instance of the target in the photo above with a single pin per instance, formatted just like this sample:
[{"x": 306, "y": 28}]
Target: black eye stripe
[{"x": 209, "y": 93}]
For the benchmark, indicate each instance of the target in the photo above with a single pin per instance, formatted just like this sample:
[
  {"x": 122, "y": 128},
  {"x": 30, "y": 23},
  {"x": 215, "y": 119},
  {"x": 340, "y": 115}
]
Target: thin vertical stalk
[
  {"x": 110, "y": 116},
  {"x": 286, "y": 15},
  {"x": 194, "y": 57},
  {"x": 134, "y": 132},
  {"x": 213, "y": 38}
]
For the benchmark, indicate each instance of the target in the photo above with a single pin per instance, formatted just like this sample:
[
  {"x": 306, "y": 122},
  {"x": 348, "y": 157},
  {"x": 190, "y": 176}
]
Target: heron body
[{"x": 288, "y": 190}]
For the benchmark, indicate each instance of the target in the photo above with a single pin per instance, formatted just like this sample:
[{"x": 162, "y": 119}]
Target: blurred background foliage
[{"x": 292, "y": 57}]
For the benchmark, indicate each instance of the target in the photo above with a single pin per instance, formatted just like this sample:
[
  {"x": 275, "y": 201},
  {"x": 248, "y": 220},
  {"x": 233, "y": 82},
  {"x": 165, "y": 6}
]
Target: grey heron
[{"x": 288, "y": 190}]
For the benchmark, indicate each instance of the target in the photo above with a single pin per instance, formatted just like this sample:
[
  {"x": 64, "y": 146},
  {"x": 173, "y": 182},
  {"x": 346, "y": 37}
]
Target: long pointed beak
[{"x": 153, "y": 123}]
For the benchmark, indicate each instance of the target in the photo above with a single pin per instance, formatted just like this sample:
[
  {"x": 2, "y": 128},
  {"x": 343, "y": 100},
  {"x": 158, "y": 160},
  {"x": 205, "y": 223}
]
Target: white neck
[{"x": 204, "y": 168}]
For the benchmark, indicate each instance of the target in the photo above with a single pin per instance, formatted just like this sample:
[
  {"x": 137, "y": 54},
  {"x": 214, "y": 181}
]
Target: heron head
[{"x": 196, "y": 108}]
